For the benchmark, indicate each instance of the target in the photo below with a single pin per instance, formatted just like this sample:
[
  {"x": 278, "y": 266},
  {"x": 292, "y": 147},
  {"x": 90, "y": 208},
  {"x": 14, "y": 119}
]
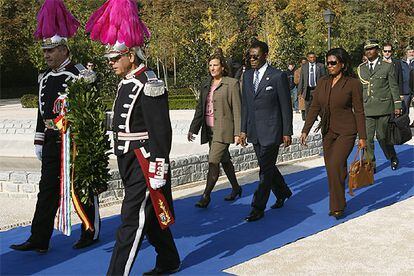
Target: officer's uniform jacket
[
  {"x": 380, "y": 88},
  {"x": 141, "y": 119},
  {"x": 53, "y": 83}
]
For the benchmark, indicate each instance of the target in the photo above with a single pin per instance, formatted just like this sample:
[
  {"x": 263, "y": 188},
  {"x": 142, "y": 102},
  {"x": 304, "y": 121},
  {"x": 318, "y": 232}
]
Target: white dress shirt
[{"x": 261, "y": 70}]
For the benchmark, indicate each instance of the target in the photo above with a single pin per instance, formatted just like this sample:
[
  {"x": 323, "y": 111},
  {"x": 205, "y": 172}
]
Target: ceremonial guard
[
  {"x": 142, "y": 140},
  {"x": 55, "y": 25},
  {"x": 381, "y": 99}
]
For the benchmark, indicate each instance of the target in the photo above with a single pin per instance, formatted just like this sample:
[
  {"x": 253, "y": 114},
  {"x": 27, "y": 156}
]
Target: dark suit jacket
[
  {"x": 398, "y": 73},
  {"x": 412, "y": 80},
  {"x": 304, "y": 77},
  {"x": 346, "y": 106},
  {"x": 227, "y": 105},
  {"x": 266, "y": 115}
]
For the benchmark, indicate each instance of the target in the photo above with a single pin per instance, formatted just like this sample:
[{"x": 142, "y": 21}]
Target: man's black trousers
[
  {"x": 139, "y": 220},
  {"x": 270, "y": 177},
  {"x": 49, "y": 195}
]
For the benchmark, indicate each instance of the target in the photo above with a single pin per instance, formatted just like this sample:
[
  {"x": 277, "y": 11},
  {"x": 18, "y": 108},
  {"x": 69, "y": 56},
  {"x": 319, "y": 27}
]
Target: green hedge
[
  {"x": 180, "y": 91},
  {"x": 182, "y": 104},
  {"x": 29, "y": 101}
]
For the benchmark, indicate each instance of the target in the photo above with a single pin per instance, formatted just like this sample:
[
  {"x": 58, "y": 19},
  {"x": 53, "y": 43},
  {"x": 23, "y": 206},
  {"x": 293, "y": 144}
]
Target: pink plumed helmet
[
  {"x": 117, "y": 24},
  {"x": 55, "y": 24}
]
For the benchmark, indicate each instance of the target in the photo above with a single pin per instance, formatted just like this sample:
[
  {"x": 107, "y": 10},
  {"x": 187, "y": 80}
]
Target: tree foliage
[{"x": 185, "y": 33}]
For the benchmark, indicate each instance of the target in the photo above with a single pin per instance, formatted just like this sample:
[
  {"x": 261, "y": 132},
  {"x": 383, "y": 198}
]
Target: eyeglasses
[
  {"x": 332, "y": 63},
  {"x": 254, "y": 57},
  {"x": 387, "y": 51}
]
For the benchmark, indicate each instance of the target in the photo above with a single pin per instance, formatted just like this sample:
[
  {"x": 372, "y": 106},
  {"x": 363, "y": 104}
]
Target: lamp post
[{"x": 329, "y": 17}]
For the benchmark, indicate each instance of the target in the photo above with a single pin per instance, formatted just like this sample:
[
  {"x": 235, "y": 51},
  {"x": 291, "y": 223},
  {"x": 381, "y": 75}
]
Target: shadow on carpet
[{"x": 211, "y": 240}]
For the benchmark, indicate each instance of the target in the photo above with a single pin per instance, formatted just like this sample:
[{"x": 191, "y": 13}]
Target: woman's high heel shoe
[
  {"x": 336, "y": 214},
  {"x": 234, "y": 195},
  {"x": 203, "y": 202}
]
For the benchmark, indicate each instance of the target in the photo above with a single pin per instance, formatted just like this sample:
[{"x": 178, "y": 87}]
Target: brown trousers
[{"x": 336, "y": 150}]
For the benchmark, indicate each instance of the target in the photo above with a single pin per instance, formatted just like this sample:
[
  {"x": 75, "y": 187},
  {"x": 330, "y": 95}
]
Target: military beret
[{"x": 371, "y": 43}]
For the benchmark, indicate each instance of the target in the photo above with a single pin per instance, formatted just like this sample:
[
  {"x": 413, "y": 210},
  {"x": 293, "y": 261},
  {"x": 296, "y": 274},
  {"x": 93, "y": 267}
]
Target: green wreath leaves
[{"x": 86, "y": 118}]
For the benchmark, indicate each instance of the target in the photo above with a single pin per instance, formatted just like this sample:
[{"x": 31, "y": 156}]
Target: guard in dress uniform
[
  {"x": 52, "y": 83},
  {"x": 142, "y": 143},
  {"x": 381, "y": 99}
]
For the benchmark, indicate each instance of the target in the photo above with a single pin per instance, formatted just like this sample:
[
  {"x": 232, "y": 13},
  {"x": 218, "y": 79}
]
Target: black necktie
[
  {"x": 371, "y": 67},
  {"x": 312, "y": 77}
]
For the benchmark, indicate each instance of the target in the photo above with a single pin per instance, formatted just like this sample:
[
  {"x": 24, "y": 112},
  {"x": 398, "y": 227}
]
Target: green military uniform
[{"x": 381, "y": 98}]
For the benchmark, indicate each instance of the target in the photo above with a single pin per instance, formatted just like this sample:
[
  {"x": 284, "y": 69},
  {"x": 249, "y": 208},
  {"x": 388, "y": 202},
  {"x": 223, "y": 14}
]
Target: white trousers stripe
[{"x": 138, "y": 235}]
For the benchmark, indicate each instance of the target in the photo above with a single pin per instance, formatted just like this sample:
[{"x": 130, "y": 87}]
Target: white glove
[
  {"x": 157, "y": 183},
  {"x": 38, "y": 151}
]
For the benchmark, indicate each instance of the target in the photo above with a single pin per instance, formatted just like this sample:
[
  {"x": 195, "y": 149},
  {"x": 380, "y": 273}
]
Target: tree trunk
[
  {"x": 158, "y": 67},
  {"x": 164, "y": 70},
  {"x": 175, "y": 72}
]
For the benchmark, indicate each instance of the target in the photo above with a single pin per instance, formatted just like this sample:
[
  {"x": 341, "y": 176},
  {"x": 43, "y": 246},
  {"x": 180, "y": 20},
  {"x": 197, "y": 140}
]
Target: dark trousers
[
  {"x": 377, "y": 126},
  {"x": 336, "y": 150},
  {"x": 138, "y": 219},
  {"x": 308, "y": 100},
  {"x": 49, "y": 195},
  {"x": 270, "y": 177},
  {"x": 406, "y": 104}
]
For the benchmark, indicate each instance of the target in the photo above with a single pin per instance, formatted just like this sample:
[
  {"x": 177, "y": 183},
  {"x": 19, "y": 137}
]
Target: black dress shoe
[
  {"x": 254, "y": 215},
  {"x": 82, "y": 243},
  {"x": 203, "y": 202},
  {"x": 394, "y": 163},
  {"x": 234, "y": 194},
  {"x": 28, "y": 246},
  {"x": 281, "y": 201},
  {"x": 162, "y": 271}
]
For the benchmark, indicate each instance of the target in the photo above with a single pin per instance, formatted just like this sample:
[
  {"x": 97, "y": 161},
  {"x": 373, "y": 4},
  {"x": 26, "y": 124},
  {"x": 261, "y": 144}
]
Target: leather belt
[
  {"x": 131, "y": 136},
  {"x": 49, "y": 124}
]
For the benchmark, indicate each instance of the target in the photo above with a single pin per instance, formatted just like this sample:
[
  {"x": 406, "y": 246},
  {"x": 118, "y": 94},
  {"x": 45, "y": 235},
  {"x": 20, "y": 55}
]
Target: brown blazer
[
  {"x": 346, "y": 106},
  {"x": 227, "y": 106}
]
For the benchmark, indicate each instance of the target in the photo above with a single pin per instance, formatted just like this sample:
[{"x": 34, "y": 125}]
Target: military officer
[
  {"x": 381, "y": 99},
  {"x": 52, "y": 83}
]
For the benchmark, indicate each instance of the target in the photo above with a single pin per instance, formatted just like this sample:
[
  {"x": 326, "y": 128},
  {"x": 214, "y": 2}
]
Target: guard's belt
[{"x": 131, "y": 136}]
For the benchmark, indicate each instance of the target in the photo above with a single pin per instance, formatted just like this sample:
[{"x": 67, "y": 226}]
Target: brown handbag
[{"x": 361, "y": 172}]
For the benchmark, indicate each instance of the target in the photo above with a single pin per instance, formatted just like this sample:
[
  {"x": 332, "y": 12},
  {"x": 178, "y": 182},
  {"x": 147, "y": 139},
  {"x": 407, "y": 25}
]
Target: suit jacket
[
  {"x": 345, "y": 105},
  {"x": 381, "y": 92},
  {"x": 398, "y": 73},
  {"x": 267, "y": 114},
  {"x": 227, "y": 108},
  {"x": 412, "y": 80},
  {"x": 304, "y": 77}
]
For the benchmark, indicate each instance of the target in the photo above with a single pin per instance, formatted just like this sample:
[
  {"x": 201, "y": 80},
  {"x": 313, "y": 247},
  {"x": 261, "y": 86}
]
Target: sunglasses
[
  {"x": 387, "y": 51},
  {"x": 254, "y": 57},
  {"x": 331, "y": 63}
]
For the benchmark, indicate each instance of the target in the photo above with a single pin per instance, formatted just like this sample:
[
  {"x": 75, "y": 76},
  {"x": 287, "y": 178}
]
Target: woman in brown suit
[
  {"x": 218, "y": 115},
  {"x": 338, "y": 98}
]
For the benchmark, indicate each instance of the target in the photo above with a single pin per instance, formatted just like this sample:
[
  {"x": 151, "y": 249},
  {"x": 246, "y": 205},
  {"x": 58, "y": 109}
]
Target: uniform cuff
[
  {"x": 39, "y": 138},
  {"x": 158, "y": 169}
]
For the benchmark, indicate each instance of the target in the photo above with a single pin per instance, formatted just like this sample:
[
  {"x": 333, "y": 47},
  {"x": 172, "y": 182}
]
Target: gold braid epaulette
[{"x": 363, "y": 81}]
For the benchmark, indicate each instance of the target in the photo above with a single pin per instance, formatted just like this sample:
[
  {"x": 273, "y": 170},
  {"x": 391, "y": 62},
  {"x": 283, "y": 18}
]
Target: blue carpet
[{"x": 214, "y": 239}]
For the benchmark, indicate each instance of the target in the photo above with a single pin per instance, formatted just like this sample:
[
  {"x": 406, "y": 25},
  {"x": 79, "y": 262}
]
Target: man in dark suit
[
  {"x": 387, "y": 51},
  {"x": 266, "y": 122},
  {"x": 310, "y": 74}
]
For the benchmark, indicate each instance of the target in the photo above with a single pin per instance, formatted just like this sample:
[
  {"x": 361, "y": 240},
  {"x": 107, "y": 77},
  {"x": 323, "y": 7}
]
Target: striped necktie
[{"x": 256, "y": 80}]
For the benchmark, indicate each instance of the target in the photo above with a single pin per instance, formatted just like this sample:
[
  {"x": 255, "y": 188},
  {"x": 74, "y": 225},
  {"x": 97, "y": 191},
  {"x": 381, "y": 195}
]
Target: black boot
[
  {"x": 231, "y": 175},
  {"x": 212, "y": 176}
]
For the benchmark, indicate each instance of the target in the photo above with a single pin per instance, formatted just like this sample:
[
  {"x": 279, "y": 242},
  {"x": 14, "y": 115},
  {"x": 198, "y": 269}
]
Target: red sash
[{"x": 161, "y": 208}]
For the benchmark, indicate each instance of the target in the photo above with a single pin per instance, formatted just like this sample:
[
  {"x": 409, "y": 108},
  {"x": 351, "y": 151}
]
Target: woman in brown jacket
[
  {"x": 218, "y": 115},
  {"x": 338, "y": 98}
]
